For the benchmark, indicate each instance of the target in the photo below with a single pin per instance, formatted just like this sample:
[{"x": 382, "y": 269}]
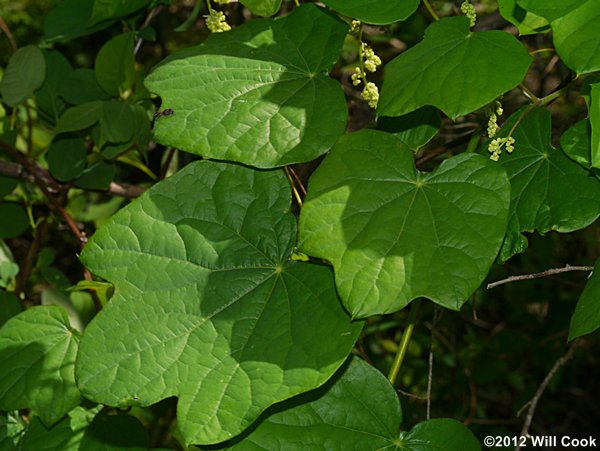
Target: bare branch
[
  {"x": 540, "y": 391},
  {"x": 537, "y": 275},
  {"x": 9, "y": 36}
]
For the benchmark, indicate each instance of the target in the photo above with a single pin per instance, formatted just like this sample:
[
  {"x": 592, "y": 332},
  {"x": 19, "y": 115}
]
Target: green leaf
[
  {"x": 81, "y": 86},
  {"x": 258, "y": 94},
  {"x": 117, "y": 122},
  {"x": 7, "y": 185},
  {"x": 8, "y": 268},
  {"x": 393, "y": 233},
  {"x": 595, "y": 124},
  {"x": 586, "y": 318},
  {"x": 548, "y": 190},
  {"x": 115, "y": 69},
  {"x": 356, "y": 409},
  {"x": 24, "y": 74},
  {"x": 69, "y": 20},
  {"x": 414, "y": 129},
  {"x": 114, "y": 9},
  {"x": 54, "y": 296},
  {"x": 98, "y": 176},
  {"x": 549, "y": 9},
  {"x": 38, "y": 349},
  {"x": 66, "y": 158},
  {"x": 477, "y": 68},
  {"x": 576, "y": 144},
  {"x": 525, "y": 21},
  {"x": 207, "y": 305},
  {"x": 47, "y": 98},
  {"x": 378, "y": 12},
  {"x": 12, "y": 427},
  {"x": 14, "y": 220},
  {"x": 66, "y": 435},
  {"x": 115, "y": 433},
  {"x": 79, "y": 117},
  {"x": 263, "y": 8},
  {"x": 440, "y": 434},
  {"x": 576, "y": 37},
  {"x": 9, "y": 306}
]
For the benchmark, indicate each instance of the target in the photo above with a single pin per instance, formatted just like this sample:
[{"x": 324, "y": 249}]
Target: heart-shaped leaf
[
  {"x": 207, "y": 304},
  {"x": 379, "y": 12},
  {"x": 356, "y": 409},
  {"x": 548, "y": 190},
  {"x": 393, "y": 233},
  {"x": 37, "y": 351},
  {"x": 576, "y": 37},
  {"x": 476, "y": 68},
  {"x": 258, "y": 94}
]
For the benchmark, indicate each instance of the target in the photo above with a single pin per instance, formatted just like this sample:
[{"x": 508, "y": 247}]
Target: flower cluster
[
  {"x": 495, "y": 147},
  {"x": 469, "y": 10},
  {"x": 493, "y": 127},
  {"x": 216, "y": 22},
  {"x": 355, "y": 28},
  {"x": 370, "y": 62},
  {"x": 371, "y": 94}
]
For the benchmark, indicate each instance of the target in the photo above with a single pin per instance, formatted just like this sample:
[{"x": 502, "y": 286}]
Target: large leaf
[
  {"x": 393, "y": 233},
  {"x": 258, "y": 94},
  {"x": 576, "y": 37},
  {"x": 37, "y": 351},
  {"x": 586, "y": 318},
  {"x": 548, "y": 190},
  {"x": 576, "y": 142},
  {"x": 25, "y": 73},
  {"x": 476, "y": 68},
  {"x": 379, "y": 12},
  {"x": 357, "y": 409},
  {"x": 207, "y": 304},
  {"x": 263, "y": 8},
  {"x": 549, "y": 9}
]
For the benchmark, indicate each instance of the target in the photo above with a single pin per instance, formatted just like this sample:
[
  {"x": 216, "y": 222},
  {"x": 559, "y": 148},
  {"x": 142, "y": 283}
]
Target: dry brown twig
[{"x": 537, "y": 275}]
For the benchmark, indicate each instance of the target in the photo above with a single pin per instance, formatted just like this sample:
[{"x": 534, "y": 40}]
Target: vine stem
[
  {"x": 430, "y": 9},
  {"x": 9, "y": 36},
  {"x": 404, "y": 341},
  {"x": 537, "y": 275},
  {"x": 293, "y": 186},
  {"x": 540, "y": 391}
]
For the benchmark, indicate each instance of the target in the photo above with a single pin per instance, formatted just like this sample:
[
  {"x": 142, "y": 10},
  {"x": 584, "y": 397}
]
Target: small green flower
[
  {"x": 372, "y": 61},
  {"x": 371, "y": 94},
  {"x": 355, "y": 27},
  {"x": 216, "y": 22}
]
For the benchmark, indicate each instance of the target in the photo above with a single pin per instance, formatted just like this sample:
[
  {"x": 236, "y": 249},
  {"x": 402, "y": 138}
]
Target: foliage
[{"x": 255, "y": 291}]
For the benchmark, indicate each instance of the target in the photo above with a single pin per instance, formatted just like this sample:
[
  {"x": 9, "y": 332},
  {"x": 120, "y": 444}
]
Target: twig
[
  {"x": 537, "y": 275},
  {"x": 411, "y": 395},
  {"x": 9, "y": 36},
  {"x": 436, "y": 316},
  {"x": 293, "y": 186},
  {"x": 540, "y": 391},
  {"x": 30, "y": 258},
  {"x": 16, "y": 170},
  {"x": 146, "y": 23},
  {"x": 300, "y": 184}
]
